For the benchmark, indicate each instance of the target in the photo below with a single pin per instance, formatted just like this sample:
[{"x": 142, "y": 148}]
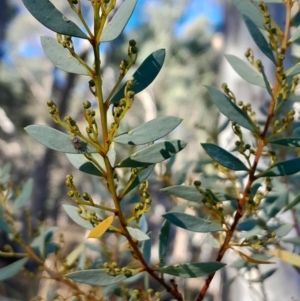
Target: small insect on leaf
[
  {"x": 79, "y": 145},
  {"x": 101, "y": 228}
]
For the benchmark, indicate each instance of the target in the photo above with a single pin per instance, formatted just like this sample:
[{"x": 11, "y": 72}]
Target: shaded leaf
[
  {"x": 245, "y": 71},
  {"x": 294, "y": 70},
  {"x": 83, "y": 164},
  {"x": 189, "y": 193},
  {"x": 247, "y": 225},
  {"x": 61, "y": 57},
  {"x": 223, "y": 157},
  {"x": 270, "y": 1},
  {"x": 138, "y": 234},
  {"x": 55, "y": 139},
  {"x": 264, "y": 276},
  {"x": 296, "y": 35},
  {"x": 154, "y": 153},
  {"x": 292, "y": 240},
  {"x": 282, "y": 169},
  {"x": 72, "y": 211},
  {"x": 267, "y": 83},
  {"x": 145, "y": 74},
  {"x": 117, "y": 24},
  {"x": 97, "y": 277},
  {"x": 12, "y": 269},
  {"x": 47, "y": 14},
  {"x": 3, "y": 223},
  {"x": 146, "y": 250},
  {"x": 286, "y": 256},
  {"x": 230, "y": 109},
  {"x": 276, "y": 206},
  {"x": 291, "y": 205},
  {"x": 163, "y": 242},
  {"x": 24, "y": 196},
  {"x": 290, "y": 141},
  {"x": 192, "y": 270},
  {"x": 101, "y": 228},
  {"x": 149, "y": 131},
  {"x": 191, "y": 223}
]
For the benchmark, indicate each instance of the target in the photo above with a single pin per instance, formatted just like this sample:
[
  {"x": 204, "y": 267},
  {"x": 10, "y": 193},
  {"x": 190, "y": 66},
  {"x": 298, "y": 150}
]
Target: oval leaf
[
  {"x": 115, "y": 27},
  {"x": 230, "y": 109},
  {"x": 47, "y": 14},
  {"x": 192, "y": 223},
  {"x": 163, "y": 242},
  {"x": 149, "y": 131},
  {"x": 55, "y": 139},
  {"x": 138, "y": 234},
  {"x": 12, "y": 269},
  {"x": 145, "y": 74},
  {"x": 72, "y": 211},
  {"x": 286, "y": 256},
  {"x": 223, "y": 157},
  {"x": 285, "y": 168},
  {"x": 97, "y": 277},
  {"x": 192, "y": 270},
  {"x": 189, "y": 193},
  {"x": 61, "y": 57},
  {"x": 154, "y": 153},
  {"x": 245, "y": 71},
  {"x": 101, "y": 228},
  {"x": 25, "y": 195}
]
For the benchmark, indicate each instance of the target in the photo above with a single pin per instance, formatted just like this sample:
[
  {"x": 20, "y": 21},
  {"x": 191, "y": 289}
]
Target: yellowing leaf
[
  {"x": 288, "y": 257},
  {"x": 101, "y": 228},
  {"x": 250, "y": 259}
]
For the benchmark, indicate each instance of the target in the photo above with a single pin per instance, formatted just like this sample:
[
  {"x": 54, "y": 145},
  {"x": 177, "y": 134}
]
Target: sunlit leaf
[
  {"x": 96, "y": 277},
  {"x": 294, "y": 70},
  {"x": 25, "y": 195},
  {"x": 72, "y": 211},
  {"x": 282, "y": 169},
  {"x": 55, "y": 139},
  {"x": 290, "y": 141},
  {"x": 163, "y": 242},
  {"x": 138, "y": 234},
  {"x": 296, "y": 35},
  {"x": 283, "y": 230},
  {"x": 149, "y": 131},
  {"x": 192, "y": 223},
  {"x": 101, "y": 228},
  {"x": 192, "y": 270},
  {"x": 264, "y": 276},
  {"x": 61, "y": 57},
  {"x": 154, "y": 153},
  {"x": 286, "y": 256},
  {"x": 250, "y": 259},
  {"x": 12, "y": 269},
  {"x": 292, "y": 204},
  {"x": 145, "y": 74},
  {"x": 245, "y": 71},
  {"x": 74, "y": 255},
  {"x": 292, "y": 240},
  {"x": 230, "y": 109},
  {"x": 223, "y": 157},
  {"x": 115, "y": 27},
  {"x": 47, "y": 14}
]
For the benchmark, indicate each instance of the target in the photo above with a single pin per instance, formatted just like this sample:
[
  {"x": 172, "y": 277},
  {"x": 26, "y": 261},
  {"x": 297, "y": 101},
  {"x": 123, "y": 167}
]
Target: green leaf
[
  {"x": 294, "y": 70},
  {"x": 290, "y": 141},
  {"x": 295, "y": 36},
  {"x": 146, "y": 250},
  {"x": 115, "y": 27},
  {"x": 192, "y": 270},
  {"x": 83, "y": 164},
  {"x": 296, "y": 19},
  {"x": 24, "y": 196},
  {"x": 291, "y": 205},
  {"x": 192, "y": 223},
  {"x": 96, "y": 277},
  {"x": 223, "y": 157},
  {"x": 61, "y": 57},
  {"x": 247, "y": 225},
  {"x": 138, "y": 234},
  {"x": 54, "y": 139},
  {"x": 285, "y": 168},
  {"x": 163, "y": 242},
  {"x": 292, "y": 240},
  {"x": 72, "y": 211},
  {"x": 270, "y": 1},
  {"x": 245, "y": 71},
  {"x": 3, "y": 223},
  {"x": 47, "y": 14},
  {"x": 145, "y": 74},
  {"x": 246, "y": 8},
  {"x": 259, "y": 39},
  {"x": 12, "y": 269},
  {"x": 154, "y": 153},
  {"x": 149, "y": 131},
  {"x": 5, "y": 173},
  {"x": 189, "y": 193},
  {"x": 230, "y": 109},
  {"x": 283, "y": 230},
  {"x": 276, "y": 206},
  {"x": 267, "y": 83}
]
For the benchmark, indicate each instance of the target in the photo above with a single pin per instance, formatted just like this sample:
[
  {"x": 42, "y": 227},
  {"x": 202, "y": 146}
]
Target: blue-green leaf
[
  {"x": 117, "y": 24},
  {"x": 154, "y": 153},
  {"x": 47, "y": 14},
  {"x": 267, "y": 83},
  {"x": 223, "y": 157},
  {"x": 290, "y": 141},
  {"x": 163, "y": 242},
  {"x": 72, "y": 211},
  {"x": 55, "y": 139},
  {"x": 294, "y": 70},
  {"x": 292, "y": 204},
  {"x": 245, "y": 71},
  {"x": 146, "y": 250},
  {"x": 230, "y": 109},
  {"x": 61, "y": 57},
  {"x": 270, "y": 1},
  {"x": 149, "y": 131},
  {"x": 24, "y": 196},
  {"x": 3, "y": 223},
  {"x": 83, "y": 164},
  {"x": 5, "y": 173},
  {"x": 285, "y": 168},
  {"x": 295, "y": 36},
  {"x": 189, "y": 193},
  {"x": 247, "y": 224},
  {"x": 12, "y": 269},
  {"x": 96, "y": 277},
  {"x": 138, "y": 234},
  {"x": 145, "y": 74},
  {"x": 192, "y": 223},
  {"x": 192, "y": 270},
  {"x": 292, "y": 240}
]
